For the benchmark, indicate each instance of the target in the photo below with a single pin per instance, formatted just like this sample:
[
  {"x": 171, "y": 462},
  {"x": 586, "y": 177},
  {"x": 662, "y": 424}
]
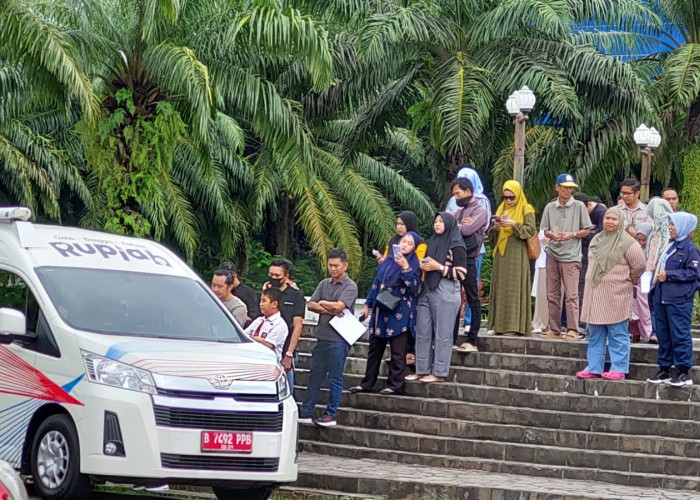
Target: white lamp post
[
  {"x": 519, "y": 105},
  {"x": 647, "y": 139}
]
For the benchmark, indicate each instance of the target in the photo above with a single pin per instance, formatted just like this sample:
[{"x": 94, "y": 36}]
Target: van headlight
[
  {"x": 101, "y": 370},
  {"x": 283, "y": 391}
]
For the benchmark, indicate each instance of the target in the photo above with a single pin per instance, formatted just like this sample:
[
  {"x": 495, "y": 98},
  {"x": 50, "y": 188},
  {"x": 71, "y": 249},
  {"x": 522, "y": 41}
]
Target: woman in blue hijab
[
  {"x": 676, "y": 280},
  {"x": 398, "y": 276},
  {"x": 483, "y": 200}
]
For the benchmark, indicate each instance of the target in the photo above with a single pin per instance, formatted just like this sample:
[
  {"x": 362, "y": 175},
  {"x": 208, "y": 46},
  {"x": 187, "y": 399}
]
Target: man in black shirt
[
  {"x": 293, "y": 310},
  {"x": 249, "y": 296}
]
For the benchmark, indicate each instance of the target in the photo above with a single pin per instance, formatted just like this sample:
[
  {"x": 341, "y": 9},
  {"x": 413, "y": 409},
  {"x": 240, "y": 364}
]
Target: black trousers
[
  {"x": 397, "y": 365},
  {"x": 471, "y": 290}
]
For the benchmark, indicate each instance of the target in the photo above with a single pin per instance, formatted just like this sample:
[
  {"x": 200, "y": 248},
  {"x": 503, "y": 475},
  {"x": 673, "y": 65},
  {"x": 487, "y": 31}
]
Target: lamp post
[
  {"x": 647, "y": 139},
  {"x": 519, "y": 105}
]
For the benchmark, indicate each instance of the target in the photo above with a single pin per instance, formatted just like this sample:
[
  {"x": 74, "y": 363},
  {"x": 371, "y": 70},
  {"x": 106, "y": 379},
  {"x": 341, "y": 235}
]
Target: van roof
[{"x": 63, "y": 246}]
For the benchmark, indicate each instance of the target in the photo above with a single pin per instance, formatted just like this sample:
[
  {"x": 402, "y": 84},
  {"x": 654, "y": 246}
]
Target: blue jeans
[
  {"x": 327, "y": 358},
  {"x": 618, "y": 344},
  {"x": 672, "y": 328},
  {"x": 290, "y": 373},
  {"x": 467, "y": 309}
]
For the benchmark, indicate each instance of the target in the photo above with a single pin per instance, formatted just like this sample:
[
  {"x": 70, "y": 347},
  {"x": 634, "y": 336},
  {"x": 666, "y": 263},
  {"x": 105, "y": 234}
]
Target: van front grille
[
  {"x": 208, "y": 462},
  {"x": 219, "y": 420}
]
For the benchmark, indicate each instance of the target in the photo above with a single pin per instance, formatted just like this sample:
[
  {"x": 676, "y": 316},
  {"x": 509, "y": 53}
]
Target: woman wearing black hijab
[
  {"x": 445, "y": 267},
  {"x": 405, "y": 222}
]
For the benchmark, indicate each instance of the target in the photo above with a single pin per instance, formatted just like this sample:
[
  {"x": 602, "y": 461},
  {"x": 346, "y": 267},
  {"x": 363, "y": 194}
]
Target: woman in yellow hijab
[{"x": 509, "y": 305}]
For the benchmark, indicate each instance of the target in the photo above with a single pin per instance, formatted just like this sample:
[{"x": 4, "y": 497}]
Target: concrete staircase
[{"x": 511, "y": 421}]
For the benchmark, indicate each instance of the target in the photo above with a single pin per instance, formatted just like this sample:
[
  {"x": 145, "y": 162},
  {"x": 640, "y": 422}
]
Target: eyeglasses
[
  {"x": 509, "y": 198},
  {"x": 627, "y": 193}
]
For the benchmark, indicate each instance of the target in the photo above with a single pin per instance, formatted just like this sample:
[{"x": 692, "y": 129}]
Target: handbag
[
  {"x": 533, "y": 244},
  {"x": 387, "y": 301}
]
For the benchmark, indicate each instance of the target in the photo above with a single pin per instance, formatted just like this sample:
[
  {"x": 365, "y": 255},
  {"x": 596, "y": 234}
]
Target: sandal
[
  {"x": 467, "y": 347},
  {"x": 413, "y": 376},
  {"x": 388, "y": 391},
  {"x": 570, "y": 335},
  {"x": 356, "y": 389},
  {"x": 429, "y": 379},
  {"x": 653, "y": 339}
]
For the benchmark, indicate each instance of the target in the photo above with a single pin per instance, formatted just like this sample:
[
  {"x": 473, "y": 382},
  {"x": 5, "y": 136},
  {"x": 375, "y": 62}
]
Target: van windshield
[{"x": 138, "y": 304}]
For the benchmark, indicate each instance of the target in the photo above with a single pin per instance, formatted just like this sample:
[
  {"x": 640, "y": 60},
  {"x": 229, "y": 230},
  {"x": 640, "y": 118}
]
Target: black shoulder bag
[{"x": 387, "y": 301}]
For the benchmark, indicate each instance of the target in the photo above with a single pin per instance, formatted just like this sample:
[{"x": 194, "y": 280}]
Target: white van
[{"x": 118, "y": 363}]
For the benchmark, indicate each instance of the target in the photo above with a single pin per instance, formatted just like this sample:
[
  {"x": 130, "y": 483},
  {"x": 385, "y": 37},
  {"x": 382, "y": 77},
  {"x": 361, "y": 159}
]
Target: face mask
[
  {"x": 464, "y": 201},
  {"x": 276, "y": 282}
]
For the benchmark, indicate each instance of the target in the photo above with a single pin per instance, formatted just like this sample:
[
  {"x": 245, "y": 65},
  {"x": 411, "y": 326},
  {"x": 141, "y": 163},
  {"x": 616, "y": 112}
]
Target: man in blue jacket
[{"x": 676, "y": 279}]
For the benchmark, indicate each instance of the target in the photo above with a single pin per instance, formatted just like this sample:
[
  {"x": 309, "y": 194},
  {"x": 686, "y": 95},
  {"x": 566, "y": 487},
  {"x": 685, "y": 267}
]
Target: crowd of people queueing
[{"x": 623, "y": 274}]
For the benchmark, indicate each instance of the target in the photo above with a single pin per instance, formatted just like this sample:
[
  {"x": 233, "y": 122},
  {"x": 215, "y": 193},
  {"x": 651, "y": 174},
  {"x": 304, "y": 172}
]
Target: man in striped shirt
[{"x": 633, "y": 211}]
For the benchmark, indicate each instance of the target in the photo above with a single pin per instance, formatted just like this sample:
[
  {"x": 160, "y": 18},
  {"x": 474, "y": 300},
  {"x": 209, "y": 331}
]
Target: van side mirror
[{"x": 13, "y": 324}]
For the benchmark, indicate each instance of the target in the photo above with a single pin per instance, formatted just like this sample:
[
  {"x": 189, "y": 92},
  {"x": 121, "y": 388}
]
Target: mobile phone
[
  {"x": 496, "y": 218},
  {"x": 362, "y": 318},
  {"x": 396, "y": 249},
  {"x": 377, "y": 254}
]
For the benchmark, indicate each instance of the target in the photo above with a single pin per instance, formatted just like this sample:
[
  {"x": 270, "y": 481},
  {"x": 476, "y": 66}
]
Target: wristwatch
[
  {"x": 442, "y": 268},
  {"x": 289, "y": 354}
]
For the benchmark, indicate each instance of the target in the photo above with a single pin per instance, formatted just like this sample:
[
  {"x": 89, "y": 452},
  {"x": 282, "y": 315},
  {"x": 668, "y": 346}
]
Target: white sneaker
[
  {"x": 467, "y": 328},
  {"x": 306, "y": 420}
]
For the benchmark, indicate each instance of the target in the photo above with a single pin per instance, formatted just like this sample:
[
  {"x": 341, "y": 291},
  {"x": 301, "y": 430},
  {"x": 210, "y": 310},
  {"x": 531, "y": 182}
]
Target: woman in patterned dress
[{"x": 400, "y": 275}]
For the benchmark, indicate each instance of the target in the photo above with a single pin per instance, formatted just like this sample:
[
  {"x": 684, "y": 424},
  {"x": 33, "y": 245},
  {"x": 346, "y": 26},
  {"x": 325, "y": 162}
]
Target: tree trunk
[
  {"x": 454, "y": 163},
  {"x": 691, "y": 127},
  {"x": 284, "y": 228}
]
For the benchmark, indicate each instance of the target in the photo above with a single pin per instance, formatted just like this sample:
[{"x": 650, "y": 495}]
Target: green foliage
[
  {"x": 129, "y": 155},
  {"x": 691, "y": 179},
  {"x": 305, "y": 270}
]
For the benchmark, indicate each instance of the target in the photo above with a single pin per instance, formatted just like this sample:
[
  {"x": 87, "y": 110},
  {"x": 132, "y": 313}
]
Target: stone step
[
  {"x": 513, "y": 415},
  {"x": 563, "y": 402},
  {"x": 528, "y": 454},
  {"x": 639, "y": 353},
  {"x": 541, "y": 382},
  {"x": 560, "y": 480},
  {"x": 299, "y": 493},
  {"x": 514, "y": 362},
  {"x": 471, "y": 429}
]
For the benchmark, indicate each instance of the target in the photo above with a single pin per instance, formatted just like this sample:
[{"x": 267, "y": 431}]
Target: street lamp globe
[
  {"x": 512, "y": 104},
  {"x": 655, "y": 138},
  {"x": 525, "y": 99},
  {"x": 642, "y": 136}
]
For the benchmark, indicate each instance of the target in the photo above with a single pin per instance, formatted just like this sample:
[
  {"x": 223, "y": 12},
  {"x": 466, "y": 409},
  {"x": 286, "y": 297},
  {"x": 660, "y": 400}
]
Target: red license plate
[{"x": 241, "y": 442}]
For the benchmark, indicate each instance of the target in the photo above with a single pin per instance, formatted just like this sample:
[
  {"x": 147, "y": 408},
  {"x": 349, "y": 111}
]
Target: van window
[
  {"x": 137, "y": 304},
  {"x": 15, "y": 293}
]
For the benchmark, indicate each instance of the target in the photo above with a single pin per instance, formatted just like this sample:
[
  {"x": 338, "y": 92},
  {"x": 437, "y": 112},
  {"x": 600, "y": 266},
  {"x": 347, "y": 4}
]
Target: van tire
[
  {"x": 259, "y": 493},
  {"x": 55, "y": 439}
]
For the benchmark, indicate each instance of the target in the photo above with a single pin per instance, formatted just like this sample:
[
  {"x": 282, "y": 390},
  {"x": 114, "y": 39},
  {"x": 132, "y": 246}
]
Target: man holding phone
[
  {"x": 565, "y": 222},
  {"x": 472, "y": 220}
]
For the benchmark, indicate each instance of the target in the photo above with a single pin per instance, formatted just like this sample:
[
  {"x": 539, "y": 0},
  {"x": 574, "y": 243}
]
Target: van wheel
[
  {"x": 55, "y": 461},
  {"x": 259, "y": 493}
]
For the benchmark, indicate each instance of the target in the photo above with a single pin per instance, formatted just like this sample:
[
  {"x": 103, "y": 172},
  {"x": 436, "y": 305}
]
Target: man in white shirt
[{"x": 270, "y": 329}]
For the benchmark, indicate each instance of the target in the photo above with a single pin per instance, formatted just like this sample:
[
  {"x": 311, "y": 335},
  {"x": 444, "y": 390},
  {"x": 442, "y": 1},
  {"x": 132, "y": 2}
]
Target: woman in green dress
[{"x": 510, "y": 311}]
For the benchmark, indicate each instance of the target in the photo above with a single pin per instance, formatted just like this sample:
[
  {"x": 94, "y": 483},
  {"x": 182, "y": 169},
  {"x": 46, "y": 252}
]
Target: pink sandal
[
  {"x": 583, "y": 374},
  {"x": 614, "y": 375}
]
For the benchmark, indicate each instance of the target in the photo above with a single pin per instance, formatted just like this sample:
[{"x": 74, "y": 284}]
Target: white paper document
[
  {"x": 645, "y": 282},
  {"x": 348, "y": 326}
]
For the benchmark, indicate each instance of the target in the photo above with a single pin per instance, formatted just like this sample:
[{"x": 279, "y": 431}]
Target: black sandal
[
  {"x": 356, "y": 389},
  {"x": 388, "y": 392}
]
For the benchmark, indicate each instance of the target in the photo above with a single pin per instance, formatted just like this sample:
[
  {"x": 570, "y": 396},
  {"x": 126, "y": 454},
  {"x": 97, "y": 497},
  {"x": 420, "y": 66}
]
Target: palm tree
[
  {"x": 42, "y": 92},
  {"x": 452, "y": 65}
]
